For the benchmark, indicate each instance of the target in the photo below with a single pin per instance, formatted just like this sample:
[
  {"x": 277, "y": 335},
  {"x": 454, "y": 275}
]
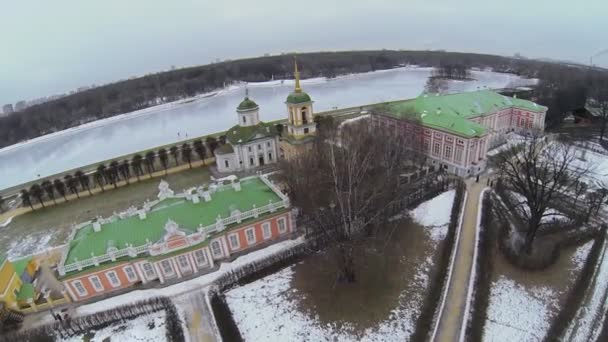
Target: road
[
  {"x": 451, "y": 318},
  {"x": 197, "y": 315}
]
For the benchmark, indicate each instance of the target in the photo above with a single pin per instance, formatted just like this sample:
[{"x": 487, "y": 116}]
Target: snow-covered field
[
  {"x": 210, "y": 113},
  {"x": 517, "y": 313},
  {"x": 267, "y": 309},
  {"x": 552, "y": 215},
  {"x": 435, "y": 214},
  {"x": 31, "y": 244},
  {"x": 148, "y": 328},
  {"x": 520, "y": 313},
  {"x": 587, "y": 323}
]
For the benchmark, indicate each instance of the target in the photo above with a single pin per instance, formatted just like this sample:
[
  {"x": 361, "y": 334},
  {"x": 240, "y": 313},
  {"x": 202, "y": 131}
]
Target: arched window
[{"x": 303, "y": 114}]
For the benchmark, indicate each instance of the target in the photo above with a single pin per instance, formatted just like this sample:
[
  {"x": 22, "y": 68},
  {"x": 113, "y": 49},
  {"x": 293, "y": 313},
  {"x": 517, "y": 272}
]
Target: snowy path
[{"x": 451, "y": 317}]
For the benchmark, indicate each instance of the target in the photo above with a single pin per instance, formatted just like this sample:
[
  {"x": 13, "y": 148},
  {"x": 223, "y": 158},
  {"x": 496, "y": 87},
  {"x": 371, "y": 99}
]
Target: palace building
[
  {"x": 176, "y": 236},
  {"x": 249, "y": 144},
  {"x": 455, "y": 131}
]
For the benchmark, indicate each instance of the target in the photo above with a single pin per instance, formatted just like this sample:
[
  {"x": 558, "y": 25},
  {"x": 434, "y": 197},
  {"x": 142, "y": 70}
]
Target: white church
[{"x": 249, "y": 144}]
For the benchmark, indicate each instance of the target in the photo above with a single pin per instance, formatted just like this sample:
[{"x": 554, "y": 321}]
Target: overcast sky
[{"x": 51, "y": 47}]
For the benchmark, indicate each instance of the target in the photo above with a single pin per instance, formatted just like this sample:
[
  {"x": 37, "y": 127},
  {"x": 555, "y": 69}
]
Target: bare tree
[
  {"x": 542, "y": 172},
  {"x": 344, "y": 186},
  {"x": 600, "y": 100}
]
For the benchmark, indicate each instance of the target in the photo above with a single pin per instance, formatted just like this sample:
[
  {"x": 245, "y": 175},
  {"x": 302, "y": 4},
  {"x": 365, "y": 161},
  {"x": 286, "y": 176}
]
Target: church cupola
[
  {"x": 248, "y": 111},
  {"x": 300, "y": 121}
]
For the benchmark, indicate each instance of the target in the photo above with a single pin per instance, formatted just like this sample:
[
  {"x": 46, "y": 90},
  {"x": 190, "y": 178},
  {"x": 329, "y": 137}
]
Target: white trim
[
  {"x": 219, "y": 243},
  {"x": 202, "y": 251},
  {"x": 80, "y": 293},
  {"x": 176, "y": 267},
  {"x": 124, "y": 269},
  {"x": 465, "y": 319},
  {"x": 162, "y": 268},
  {"x": 247, "y": 230},
  {"x": 68, "y": 286},
  {"x": 444, "y": 295},
  {"x": 97, "y": 289},
  {"x": 145, "y": 274},
  {"x": 182, "y": 269},
  {"x": 110, "y": 280},
  {"x": 159, "y": 272},
  {"x": 238, "y": 241},
  {"x": 269, "y": 226},
  {"x": 140, "y": 273},
  {"x": 285, "y": 229}
]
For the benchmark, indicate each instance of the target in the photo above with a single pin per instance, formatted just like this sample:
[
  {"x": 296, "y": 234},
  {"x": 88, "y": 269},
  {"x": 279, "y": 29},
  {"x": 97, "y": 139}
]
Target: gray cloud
[{"x": 50, "y": 47}]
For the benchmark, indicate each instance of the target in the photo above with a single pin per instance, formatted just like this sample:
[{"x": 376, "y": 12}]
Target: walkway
[{"x": 451, "y": 318}]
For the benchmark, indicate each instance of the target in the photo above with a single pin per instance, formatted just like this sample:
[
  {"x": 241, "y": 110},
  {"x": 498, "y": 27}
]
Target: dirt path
[{"x": 450, "y": 319}]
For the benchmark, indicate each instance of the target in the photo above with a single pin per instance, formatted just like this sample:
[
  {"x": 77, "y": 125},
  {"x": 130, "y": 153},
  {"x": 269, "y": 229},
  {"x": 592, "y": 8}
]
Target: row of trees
[
  {"x": 111, "y": 174},
  {"x": 153, "y": 89}
]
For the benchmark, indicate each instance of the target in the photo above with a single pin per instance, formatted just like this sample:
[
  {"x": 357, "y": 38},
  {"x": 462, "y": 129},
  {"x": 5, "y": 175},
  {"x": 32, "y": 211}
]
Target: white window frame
[
  {"x": 236, "y": 237},
  {"x": 162, "y": 267},
  {"x": 182, "y": 267},
  {"x": 113, "y": 284},
  {"x": 252, "y": 230},
  {"x": 84, "y": 291},
  {"x": 148, "y": 271},
  {"x": 219, "y": 245},
  {"x": 95, "y": 287},
  {"x": 196, "y": 257},
  {"x": 266, "y": 226},
  {"x": 282, "y": 221},
  {"x": 134, "y": 277}
]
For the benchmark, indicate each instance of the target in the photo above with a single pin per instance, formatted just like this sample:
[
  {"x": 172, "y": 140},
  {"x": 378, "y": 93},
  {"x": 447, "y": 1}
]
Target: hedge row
[
  {"x": 438, "y": 280},
  {"x": 484, "y": 268},
  {"x": 577, "y": 292},
  {"x": 82, "y": 325}
]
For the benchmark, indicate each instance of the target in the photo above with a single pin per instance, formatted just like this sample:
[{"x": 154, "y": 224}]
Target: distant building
[
  {"x": 457, "y": 130},
  {"x": 7, "y": 109}
]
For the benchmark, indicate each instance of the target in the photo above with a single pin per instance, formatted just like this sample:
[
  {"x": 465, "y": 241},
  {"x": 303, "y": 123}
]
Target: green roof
[
  {"x": 21, "y": 264},
  {"x": 243, "y": 134},
  {"x": 224, "y": 149},
  {"x": 26, "y": 292},
  {"x": 296, "y": 97},
  {"x": 186, "y": 214},
  {"x": 452, "y": 112},
  {"x": 247, "y": 104}
]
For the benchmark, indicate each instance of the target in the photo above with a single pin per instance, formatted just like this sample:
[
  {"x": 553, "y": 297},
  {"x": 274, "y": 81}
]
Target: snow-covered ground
[
  {"x": 148, "y": 328},
  {"x": 587, "y": 323},
  {"x": 210, "y": 113},
  {"x": 267, "y": 309},
  {"x": 597, "y": 166},
  {"x": 518, "y": 314},
  {"x": 434, "y": 214},
  {"x": 30, "y": 244}
]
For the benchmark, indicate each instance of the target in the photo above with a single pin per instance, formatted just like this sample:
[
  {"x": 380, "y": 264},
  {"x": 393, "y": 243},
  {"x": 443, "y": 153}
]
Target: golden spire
[{"x": 297, "y": 76}]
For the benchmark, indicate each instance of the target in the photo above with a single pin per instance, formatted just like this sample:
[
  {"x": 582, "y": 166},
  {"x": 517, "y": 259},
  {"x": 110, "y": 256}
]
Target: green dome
[
  {"x": 247, "y": 104},
  {"x": 298, "y": 97}
]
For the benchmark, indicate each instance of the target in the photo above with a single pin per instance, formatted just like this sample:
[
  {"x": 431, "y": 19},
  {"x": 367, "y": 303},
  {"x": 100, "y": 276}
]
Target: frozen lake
[{"x": 160, "y": 125}]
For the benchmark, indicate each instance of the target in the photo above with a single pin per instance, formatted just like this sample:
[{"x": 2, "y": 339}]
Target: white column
[
  {"x": 160, "y": 274},
  {"x": 140, "y": 273},
  {"x": 175, "y": 264},
  {"x": 192, "y": 262},
  {"x": 209, "y": 256}
]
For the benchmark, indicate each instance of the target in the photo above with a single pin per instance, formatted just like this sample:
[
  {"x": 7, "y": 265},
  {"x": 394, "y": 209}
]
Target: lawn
[
  {"x": 305, "y": 302},
  {"x": 37, "y": 230}
]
